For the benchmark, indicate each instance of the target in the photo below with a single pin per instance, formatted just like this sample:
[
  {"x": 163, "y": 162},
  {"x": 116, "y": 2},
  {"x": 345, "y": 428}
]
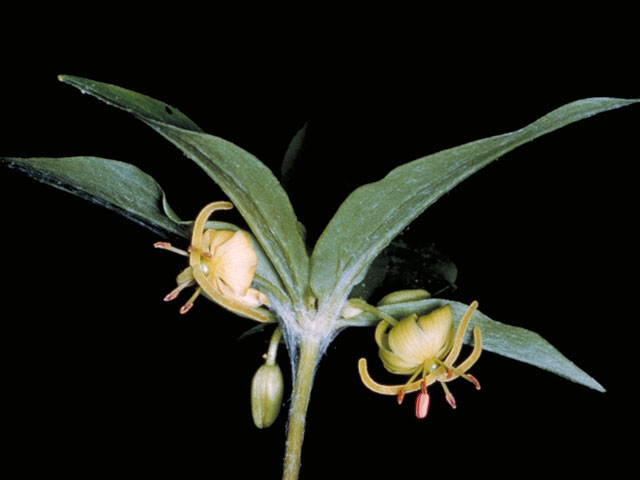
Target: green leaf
[
  {"x": 248, "y": 183},
  {"x": 375, "y": 213},
  {"x": 112, "y": 184},
  {"x": 512, "y": 342},
  {"x": 132, "y": 102},
  {"x": 129, "y": 191}
]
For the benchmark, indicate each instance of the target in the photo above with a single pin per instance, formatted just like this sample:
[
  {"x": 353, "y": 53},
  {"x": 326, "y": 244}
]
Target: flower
[
  {"x": 426, "y": 345},
  {"x": 222, "y": 264}
]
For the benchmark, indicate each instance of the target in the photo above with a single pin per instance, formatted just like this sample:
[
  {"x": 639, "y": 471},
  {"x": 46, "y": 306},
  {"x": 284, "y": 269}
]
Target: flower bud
[
  {"x": 266, "y": 395},
  {"x": 349, "y": 312},
  {"x": 404, "y": 296}
]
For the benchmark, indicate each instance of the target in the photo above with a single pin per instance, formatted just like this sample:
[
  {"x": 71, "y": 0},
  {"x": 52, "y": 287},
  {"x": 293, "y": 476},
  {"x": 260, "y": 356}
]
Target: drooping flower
[
  {"x": 426, "y": 346},
  {"x": 222, "y": 265}
]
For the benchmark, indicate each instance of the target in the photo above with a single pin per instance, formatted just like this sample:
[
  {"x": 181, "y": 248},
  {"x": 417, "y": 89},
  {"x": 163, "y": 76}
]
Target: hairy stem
[{"x": 307, "y": 362}]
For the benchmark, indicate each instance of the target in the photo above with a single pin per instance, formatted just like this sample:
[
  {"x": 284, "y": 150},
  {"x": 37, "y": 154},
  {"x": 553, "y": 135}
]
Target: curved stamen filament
[
  {"x": 475, "y": 354},
  {"x": 371, "y": 384},
  {"x": 198, "y": 226},
  {"x": 460, "y": 370}
]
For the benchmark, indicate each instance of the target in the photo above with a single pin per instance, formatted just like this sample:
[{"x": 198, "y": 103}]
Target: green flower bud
[
  {"x": 404, "y": 296},
  {"x": 266, "y": 395}
]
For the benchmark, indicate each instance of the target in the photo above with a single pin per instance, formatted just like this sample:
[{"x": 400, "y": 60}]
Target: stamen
[
  {"x": 472, "y": 379},
  {"x": 167, "y": 246},
  {"x": 402, "y": 392},
  {"x": 455, "y": 372},
  {"x": 189, "y": 305},
  {"x": 186, "y": 307},
  {"x": 173, "y": 294},
  {"x": 422, "y": 402},
  {"x": 448, "y": 396},
  {"x": 203, "y": 253}
]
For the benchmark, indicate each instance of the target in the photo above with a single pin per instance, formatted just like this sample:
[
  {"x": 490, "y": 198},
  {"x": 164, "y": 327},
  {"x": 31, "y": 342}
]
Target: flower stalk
[{"x": 309, "y": 355}]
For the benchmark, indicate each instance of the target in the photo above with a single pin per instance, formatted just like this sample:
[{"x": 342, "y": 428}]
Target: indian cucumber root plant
[{"x": 265, "y": 271}]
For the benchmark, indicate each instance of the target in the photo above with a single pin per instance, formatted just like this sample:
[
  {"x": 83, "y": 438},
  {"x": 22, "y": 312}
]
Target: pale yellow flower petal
[
  {"x": 437, "y": 327},
  {"x": 214, "y": 238},
  {"x": 235, "y": 263},
  {"x": 392, "y": 362},
  {"x": 396, "y": 364},
  {"x": 408, "y": 341}
]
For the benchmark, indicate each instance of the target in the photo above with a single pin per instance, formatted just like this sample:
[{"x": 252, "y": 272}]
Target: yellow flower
[
  {"x": 427, "y": 346},
  {"x": 222, "y": 264}
]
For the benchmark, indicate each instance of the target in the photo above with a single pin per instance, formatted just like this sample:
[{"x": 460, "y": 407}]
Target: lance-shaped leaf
[
  {"x": 248, "y": 183},
  {"x": 115, "y": 185},
  {"x": 129, "y": 191},
  {"x": 375, "y": 213},
  {"x": 132, "y": 102},
  {"x": 509, "y": 341}
]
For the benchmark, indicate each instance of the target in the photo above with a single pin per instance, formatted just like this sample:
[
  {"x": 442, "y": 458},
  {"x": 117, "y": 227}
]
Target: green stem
[
  {"x": 307, "y": 362},
  {"x": 273, "y": 346}
]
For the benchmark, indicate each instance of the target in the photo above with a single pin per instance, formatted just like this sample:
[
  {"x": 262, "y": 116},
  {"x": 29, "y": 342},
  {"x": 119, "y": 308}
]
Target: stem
[
  {"x": 309, "y": 355},
  {"x": 273, "y": 346}
]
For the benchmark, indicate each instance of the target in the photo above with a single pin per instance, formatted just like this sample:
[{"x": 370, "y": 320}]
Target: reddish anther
[
  {"x": 171, "y": 296},
  {"x": 474, "y": 380},
  {"x": 450, "y": 400},
  {"x": 186, "y": 307},
  {"x": 401, "y": 397},
  {"x": 422, "y": 405}
]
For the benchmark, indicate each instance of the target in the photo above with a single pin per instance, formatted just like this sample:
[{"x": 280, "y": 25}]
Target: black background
[{"x": 100, "y": 375}]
